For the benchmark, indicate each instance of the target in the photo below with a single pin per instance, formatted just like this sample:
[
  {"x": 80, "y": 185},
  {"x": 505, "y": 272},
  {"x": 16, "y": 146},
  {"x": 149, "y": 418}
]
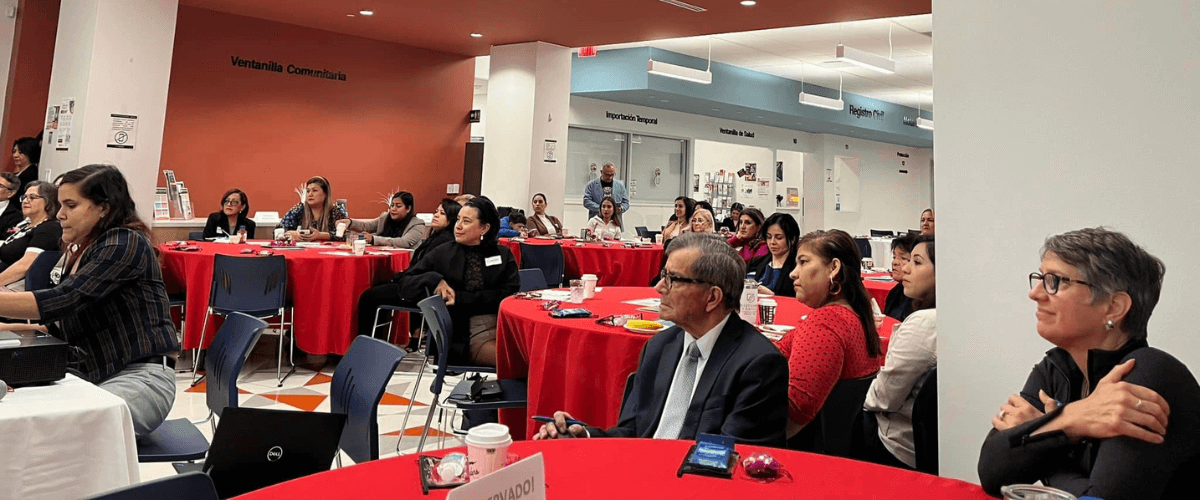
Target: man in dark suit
[
  {"x": 10, "y": 213},
  {"x": 712, "y": 373}
]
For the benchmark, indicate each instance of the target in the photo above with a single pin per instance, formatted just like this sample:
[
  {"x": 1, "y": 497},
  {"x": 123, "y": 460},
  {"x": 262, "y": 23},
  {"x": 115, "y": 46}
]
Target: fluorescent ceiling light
[
  {"x": 865, "y": 59},
  {"x": 476, "y": 35},
  {"x": 822, "y": 102},
  {"x": 678, "y": 72},
  {"x": 749, "y": 3},
  {"x": 367, "y": 12},
  {"x": 925, "y": 124}
]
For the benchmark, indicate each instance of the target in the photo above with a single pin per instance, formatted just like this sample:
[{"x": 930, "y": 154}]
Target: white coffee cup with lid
[
  {"x": 589, "y": 285},
  {"x": 487, "y": 449}
]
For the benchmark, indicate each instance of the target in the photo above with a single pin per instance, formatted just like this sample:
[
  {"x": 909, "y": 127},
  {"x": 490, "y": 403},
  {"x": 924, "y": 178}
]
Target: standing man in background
[{"x": 606, "y": 185}]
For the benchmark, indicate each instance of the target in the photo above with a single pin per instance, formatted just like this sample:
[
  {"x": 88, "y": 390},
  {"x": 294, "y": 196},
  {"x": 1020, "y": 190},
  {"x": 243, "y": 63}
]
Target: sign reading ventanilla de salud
[{"x": 290, "y": 69}]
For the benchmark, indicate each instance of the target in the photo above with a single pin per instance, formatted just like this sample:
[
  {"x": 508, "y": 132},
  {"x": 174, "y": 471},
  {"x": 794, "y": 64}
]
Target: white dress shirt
[{"x": 705, "y": 343}]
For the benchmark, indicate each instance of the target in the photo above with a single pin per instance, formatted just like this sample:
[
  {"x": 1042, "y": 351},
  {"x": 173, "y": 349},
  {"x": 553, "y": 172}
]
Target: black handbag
[{"x": 486, "y": 390}]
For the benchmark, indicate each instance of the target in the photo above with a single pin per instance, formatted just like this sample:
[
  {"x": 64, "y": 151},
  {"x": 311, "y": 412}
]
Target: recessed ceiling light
[
  {"x": 349, "y": 15},
  {"x": 664, "y": 100},
  {"x": 716, "y": 109},
  {"x": 749, "y": 3},
  {"x": 476, "y": 35},
  {"x": 366, "y": 12}
]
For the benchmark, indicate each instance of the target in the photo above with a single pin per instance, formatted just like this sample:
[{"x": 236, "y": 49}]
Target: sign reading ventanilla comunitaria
[{"x": 290, "y": 69}]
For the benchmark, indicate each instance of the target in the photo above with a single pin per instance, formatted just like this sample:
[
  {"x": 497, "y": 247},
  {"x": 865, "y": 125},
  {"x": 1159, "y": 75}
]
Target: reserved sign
[{"x": 524, "y": 480}]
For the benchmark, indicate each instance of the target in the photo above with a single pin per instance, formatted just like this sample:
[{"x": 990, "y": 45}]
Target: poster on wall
[
  {"x": 749, "y": 172},
  {"x": 66, "y": 112},
  {"x": 778, "y": 171},
  {"x": 123, "y": 133},
  {"x": 764, "y": 187},
  {"x": 550, "y": 156},
  {"x": 793, "y": 197}
]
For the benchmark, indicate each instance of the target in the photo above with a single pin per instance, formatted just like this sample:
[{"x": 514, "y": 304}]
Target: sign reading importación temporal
[{"x": 291, "y": 69}]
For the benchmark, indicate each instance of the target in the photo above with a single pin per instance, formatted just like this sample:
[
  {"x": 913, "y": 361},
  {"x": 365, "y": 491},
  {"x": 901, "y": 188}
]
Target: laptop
[{"x": 254, "y": 448}]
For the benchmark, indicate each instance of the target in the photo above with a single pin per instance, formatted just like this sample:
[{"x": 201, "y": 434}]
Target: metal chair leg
[
  {"x": 412, "y": 399},
  {"x": 199, "y": 347},
  {"x": 375, "y": 325},
  {"x": 291, "y": 351},
  {"x": 428, "y": 422}
]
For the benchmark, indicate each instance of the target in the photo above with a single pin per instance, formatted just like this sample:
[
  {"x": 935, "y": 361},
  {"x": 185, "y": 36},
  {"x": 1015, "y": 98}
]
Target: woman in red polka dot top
[{"x": 838, "y": 340}]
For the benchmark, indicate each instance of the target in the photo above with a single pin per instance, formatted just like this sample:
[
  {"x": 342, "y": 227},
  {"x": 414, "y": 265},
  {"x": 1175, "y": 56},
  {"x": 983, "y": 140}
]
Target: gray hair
[
  {"x": 49, "y": 194},
  {"x": 1111, "y": 263},
  {"x": 719, "y": 264}
]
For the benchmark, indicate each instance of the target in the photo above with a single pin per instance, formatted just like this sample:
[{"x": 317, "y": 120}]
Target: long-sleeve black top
[
  {"x": 480, "y": 275},
  {"x": 776, "y": 280},
  {"x": 218, "y": 219},
  {"x": 1112, "y": 469},
  {"x": 897, "y": 305}
]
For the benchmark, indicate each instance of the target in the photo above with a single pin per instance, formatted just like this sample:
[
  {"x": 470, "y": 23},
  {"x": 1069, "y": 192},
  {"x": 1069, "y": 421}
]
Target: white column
[
  {"x": 8, "y": 29},
  {"x": 1054, "y": 116},
  {"x": 528, "y": 102},
  {"x": 114, "y": 57}
]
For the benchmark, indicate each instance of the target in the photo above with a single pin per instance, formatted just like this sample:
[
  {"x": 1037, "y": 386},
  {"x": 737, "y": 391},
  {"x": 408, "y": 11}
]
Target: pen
[{"x": 570, "y": 421}]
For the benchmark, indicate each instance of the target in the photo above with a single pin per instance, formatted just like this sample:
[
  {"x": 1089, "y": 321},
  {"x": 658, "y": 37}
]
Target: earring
[
  {"x": 1108, "y": 325},
  {"x": 832, "y": 284}
]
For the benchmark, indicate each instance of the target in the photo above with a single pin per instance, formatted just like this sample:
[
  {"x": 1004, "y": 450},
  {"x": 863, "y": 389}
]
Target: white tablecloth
[
  {"x": 66, "y": 440},
  {"x": 881, "y": 252}
]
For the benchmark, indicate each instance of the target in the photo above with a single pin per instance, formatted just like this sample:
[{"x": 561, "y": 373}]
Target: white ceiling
[{"x": 807, "y": 52}]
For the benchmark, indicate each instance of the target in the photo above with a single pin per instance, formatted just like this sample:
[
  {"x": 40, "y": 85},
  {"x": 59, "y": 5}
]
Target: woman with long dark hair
[
  {"x": 540, "y": 223},
  {"x": 234, "y": 214},
  {"x": 26, "y": 153},
  {"x": 472, "y": 274},
  {"x": 606, "y": 225},
  {"x": 441, "y": 228},
  {"x": 314, "y": 219},
  {"x": 838, "y": 340},
  {"x": 749, "y": 240},
  {"x": 782, "y": 236},
  {"x": 681, "y": 221},
  {"x": 109, "y": 302},
  {"x": 398, "y": 227}
]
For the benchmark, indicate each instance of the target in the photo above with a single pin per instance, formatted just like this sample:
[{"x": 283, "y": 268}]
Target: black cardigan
[
  {"x": 218, "y": 219},
  {"x": 784, "y": 286},
  {"x": 433, "y": 241},
  {"x": 1113, "y": 468},
  {"x": 449, "y": 262},
  {"x": 898, "y": 305}
]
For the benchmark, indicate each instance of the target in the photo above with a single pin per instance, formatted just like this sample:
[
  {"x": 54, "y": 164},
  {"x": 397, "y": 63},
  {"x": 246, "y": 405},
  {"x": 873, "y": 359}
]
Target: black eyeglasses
[
  {"x": 31, "y": 197},
  {"x": 1050, "y": 282},
  {"x": 233, "y": 201},
  {"x": 669, "y": 280}
]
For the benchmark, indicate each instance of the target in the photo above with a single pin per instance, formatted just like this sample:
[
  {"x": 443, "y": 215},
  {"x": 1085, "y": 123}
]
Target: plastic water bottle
[
  {"x": 749, "y": 311},
  {"x": 241, "y": 234},
  {"x": 360, "y": 245}
]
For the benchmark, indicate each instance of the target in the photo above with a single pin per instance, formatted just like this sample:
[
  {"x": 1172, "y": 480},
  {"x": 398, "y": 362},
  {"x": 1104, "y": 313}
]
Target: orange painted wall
[
  {"x": 29, "y": 73},
  {"x": 399, "y": 121}
]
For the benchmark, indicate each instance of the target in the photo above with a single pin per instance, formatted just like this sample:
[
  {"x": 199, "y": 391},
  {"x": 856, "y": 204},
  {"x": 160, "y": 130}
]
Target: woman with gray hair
[
  {"x": 39, "y": 232},
  {"x": 1103, "y": 414}
]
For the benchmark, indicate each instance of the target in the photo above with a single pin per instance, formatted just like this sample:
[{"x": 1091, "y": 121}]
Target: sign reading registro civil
[{"x": 525, "y": 480}]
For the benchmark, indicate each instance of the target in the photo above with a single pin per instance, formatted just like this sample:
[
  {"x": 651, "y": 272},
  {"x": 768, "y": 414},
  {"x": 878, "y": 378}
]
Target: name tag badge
[{"x": 494, "y": 260}]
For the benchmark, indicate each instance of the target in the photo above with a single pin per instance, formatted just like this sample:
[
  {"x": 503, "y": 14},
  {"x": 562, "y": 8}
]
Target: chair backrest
[
  {"x": 914, "y": 232},
  {"x": 641, "y": 231},
  {"x": 881, "y": 232},
  {"x": 548, "y": 258},
  {"x": 358, "y": 385},
  {"x": 864, "y": 247},
  {"x": 830, "y": 432},
  {"x": 254, "y": 285},
  {"x": 226, "y": 356},
  {"x": 532, "y": 279},
  {"x": 189, "y": 486},
  {"x": 925, "y": 424},
  {"x": 437, "y": 319},
  {"x": 196, "y": 236},
  {"x": 38, "y": 275}
]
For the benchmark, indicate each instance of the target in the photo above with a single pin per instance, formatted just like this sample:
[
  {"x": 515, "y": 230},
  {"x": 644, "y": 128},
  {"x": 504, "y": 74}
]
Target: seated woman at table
[
  {"x": 681, "y": 221},
  {"x": 1103, "y": 414},
  {"x": 314, "y": 219},
  {"x": 702, "y": 221},
  {"x": 235, "y": 208},
  {"x": 898, "y": 305},
  {"x": 39, "y": 232},
  {"x": 771, "y": 271},
  {"x": 731, "y": 223},
  {"x": 927, "y": 222},
  {"x": 110, "y": 304},
  {"x": 912, "y": 351},
  {"x": 513, "y": 225},
  {"x": 607, "y": 224},
  {"x": 749, "y": 241},
  {"x": 441, "y": 228},
  {"x": 541, "y": 224},
  {"x": 398, "y": 227},
  {"x": 838, "y": 340},
  {"x": 472, "y": 274}
]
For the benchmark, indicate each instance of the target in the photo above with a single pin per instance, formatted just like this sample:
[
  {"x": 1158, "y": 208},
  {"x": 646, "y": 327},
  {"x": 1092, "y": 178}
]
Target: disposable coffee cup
[
  {"x": 766, "y": 311},
  {"x": 487, "y": 448},
  {"x": 341, "y": 229},
  {"x": 589, "y": 285},
  {"x": 279, "y": 233},
  {"x": 658, "y": 239}
]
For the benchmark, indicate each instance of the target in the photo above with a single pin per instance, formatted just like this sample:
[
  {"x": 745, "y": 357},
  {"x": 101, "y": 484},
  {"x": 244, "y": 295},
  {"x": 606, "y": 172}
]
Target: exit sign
[{"x": 589, "y": 51}]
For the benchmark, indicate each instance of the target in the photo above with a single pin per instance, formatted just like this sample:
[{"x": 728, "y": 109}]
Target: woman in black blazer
[
  {"x": 233, "y": 214},
  {"x": 782, "y": 233}
]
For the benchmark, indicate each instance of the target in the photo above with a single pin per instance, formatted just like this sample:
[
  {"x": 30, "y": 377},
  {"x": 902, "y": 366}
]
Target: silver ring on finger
[
  {"x": 1138, "y": 405},
  {"x": 1000, "y": 415}
]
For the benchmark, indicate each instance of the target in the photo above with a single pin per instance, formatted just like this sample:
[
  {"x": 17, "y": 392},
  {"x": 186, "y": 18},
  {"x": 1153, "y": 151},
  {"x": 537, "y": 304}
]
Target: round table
[
  {"x": 324, "y": 289},
  {"x": 613, "y": 265},
  {"x": 583, "y": 469}
]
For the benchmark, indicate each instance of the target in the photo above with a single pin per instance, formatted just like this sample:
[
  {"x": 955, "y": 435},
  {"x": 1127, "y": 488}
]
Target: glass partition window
[
  {"x": 588, "y": 151},
  {"x": 656, "y": 169}
]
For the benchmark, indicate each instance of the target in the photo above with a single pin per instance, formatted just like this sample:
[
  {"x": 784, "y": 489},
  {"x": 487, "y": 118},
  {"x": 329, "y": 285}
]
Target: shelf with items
[{"x": 719, "y": 191}]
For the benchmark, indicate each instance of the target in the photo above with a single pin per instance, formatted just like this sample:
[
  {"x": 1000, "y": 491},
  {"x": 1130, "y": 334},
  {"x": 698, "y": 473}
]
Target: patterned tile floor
[{"x": 308, "y": 390}]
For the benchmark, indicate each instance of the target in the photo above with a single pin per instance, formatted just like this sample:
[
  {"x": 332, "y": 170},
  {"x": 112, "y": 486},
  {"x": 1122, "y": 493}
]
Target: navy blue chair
[
  {"x": 179, "y": 440},
  {"x": 864, "y": 247},
  {"x": 832, "y": 431},
  {"x": 196, "y": 236},
  {"x": 925, "y": 424},
  {"x": 190, "y": 486},
  {"x": 876, "y": 233},
  {"x": 548, "y": 258},
  {"x": 392, "y": 310},
  {"x": 642, "y": 231},
  {"x": 358, "y": 386},
  {"x": 437, "y": 318},
  {"x": 38, "y": 275},
  {"x": 256, "y": 286},
  {"x": 532, "y": 279}
]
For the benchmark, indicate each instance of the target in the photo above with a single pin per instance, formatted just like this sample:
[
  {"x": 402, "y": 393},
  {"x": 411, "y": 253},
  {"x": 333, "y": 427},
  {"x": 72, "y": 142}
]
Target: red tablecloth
[
  {"x": 612, "y": 265},
  {"x": 878, "y": 289},
  {"x": 579, "y": 366},
  {"x": 324, "y": 290},
  {"x": 582, "y": 469}
]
